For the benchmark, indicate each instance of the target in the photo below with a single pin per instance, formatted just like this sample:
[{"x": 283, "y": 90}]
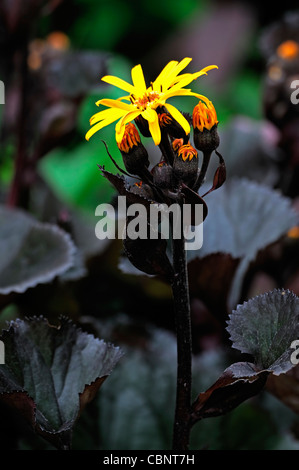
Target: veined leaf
[
  {"x": 31, "y": 252},
  {"x": 244, "y": 218},
  {"x": 265, "y": 328},
  {"x": 51, "y": 373}
]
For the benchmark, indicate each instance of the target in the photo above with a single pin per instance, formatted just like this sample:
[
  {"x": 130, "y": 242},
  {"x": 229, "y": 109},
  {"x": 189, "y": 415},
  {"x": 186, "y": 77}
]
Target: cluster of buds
[
  {"x": 175, "y": 180},
  {"x": 179, "y": 166},
  {"x": 178, "y": 175}
]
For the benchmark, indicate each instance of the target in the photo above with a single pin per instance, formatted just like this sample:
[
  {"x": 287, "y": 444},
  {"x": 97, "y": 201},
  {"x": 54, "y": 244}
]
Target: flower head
[
  {"x": 130, "y": 138},
  {"x": 204, "y": 116},
  {"x": 205, "y": 124},
  {"x": 185, "y": 165},
  {"x": 134, "y": 154},
  {"x": 187, "y": 152},
  {"x": 145, "y": 102}
]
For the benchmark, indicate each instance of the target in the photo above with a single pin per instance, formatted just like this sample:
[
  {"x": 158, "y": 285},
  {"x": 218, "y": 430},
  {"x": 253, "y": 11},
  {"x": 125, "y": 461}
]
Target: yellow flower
[{"x": 144, "y": 101}]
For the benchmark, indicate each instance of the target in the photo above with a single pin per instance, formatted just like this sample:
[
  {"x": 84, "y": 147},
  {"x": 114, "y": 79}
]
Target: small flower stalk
[{"x": 186, "y": 143}]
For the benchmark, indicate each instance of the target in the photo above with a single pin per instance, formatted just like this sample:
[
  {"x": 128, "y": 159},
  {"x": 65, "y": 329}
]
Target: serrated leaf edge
[{"x": 46, "y": 277}]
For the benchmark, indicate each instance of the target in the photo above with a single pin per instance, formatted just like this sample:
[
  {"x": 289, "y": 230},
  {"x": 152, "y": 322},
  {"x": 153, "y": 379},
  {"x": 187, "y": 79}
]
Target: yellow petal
[
  {"x": 165, "y": 72},
  {"x": 184, "y": 92},
  {"x": 120, "y": 126},
  {"x": 154, "y": 128},
  {"x": 206, "y": 69},
  {"x": 106, "y": 114},
  {"x": 177, "y": 92},
  {"x": 186, "y": 78},
  {"x": 115, "y": 104},
  {"x": 118, "y": 82},
  {"x": 149, "y": 114},
  {"x": 173, "y": 74},
  {"x": 138, "y": 79},
  {"x": 182, "y": 65},
  {"x": 127, "y": 97},
  {"x": 178, "y": 117},
  {"x": 197, "y": 74},
  {"x": 100, "y": 125}
]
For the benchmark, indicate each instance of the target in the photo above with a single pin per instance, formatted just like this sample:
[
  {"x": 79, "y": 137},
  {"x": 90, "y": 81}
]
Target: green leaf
[
  {"x": 31, "y": 252},
  {"x": 51, "y": 373},
  {"x": 265, "y": 327},
  {"x": 244, "y": 217}
]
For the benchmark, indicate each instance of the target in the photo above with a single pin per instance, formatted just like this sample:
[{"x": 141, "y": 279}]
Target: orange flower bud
[
  {"x": 134, "y": 154},
  {"x": 185, "y": 165},
  {"x": 205, "y": 124},
  {"x": 204, "y": 116}
]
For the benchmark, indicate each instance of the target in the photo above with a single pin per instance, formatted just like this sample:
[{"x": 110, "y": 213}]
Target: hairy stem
[{"x": 180, "y": 289}]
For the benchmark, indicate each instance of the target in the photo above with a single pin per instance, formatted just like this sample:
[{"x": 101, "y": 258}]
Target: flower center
[{"x": 146, "y": 100}]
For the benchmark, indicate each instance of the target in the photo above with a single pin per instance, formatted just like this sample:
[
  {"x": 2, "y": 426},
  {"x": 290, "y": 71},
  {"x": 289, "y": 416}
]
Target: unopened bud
[
  {"x": 172, "y": 127},
  {"x": 163, "y": 175},
  {"x": 185, "y": 164},
  {"x": 134, "y": 154},
  {"x": 205, "y": 124},
  {"x": 177, "y": 143},
  {"x": 143, "y": 126}
]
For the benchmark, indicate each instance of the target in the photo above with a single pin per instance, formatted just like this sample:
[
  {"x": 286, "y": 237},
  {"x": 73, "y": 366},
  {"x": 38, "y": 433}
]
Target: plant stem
[
  {"x": 180, "y": 289},
  {"x": 166, "y": 148},
  {"x": 19, "y": 191},
  {"x": 203, "y": 170}
]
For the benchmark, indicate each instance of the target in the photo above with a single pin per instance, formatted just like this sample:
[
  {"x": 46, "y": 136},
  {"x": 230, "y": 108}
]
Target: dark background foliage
[{"x": 52, "y": 55}]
